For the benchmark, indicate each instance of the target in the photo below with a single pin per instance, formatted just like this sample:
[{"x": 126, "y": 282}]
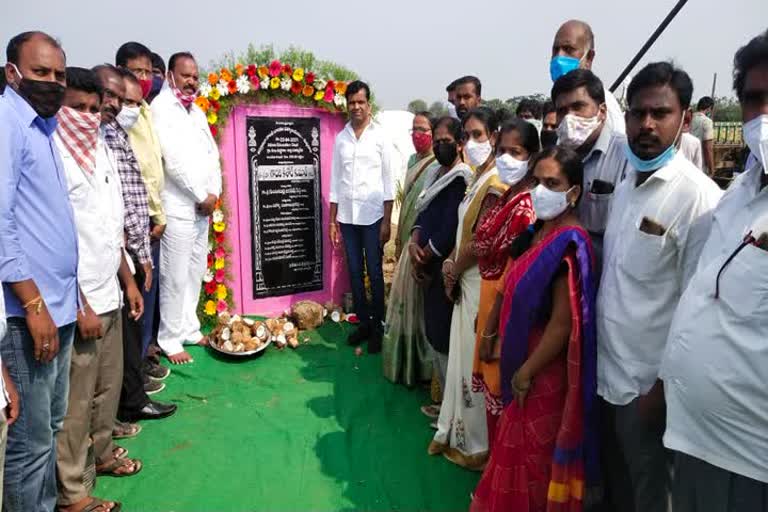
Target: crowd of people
[
  {"x": 590, "y": 301},
  {"x": 107, "y": 180}
]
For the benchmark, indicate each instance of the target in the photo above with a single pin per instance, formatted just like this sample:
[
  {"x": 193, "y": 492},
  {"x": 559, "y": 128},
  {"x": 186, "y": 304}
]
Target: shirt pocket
[
  {"x": 595, "y": 211},
  {"x": 744, "y": 282},
  {"x": 646, "y": 256}
]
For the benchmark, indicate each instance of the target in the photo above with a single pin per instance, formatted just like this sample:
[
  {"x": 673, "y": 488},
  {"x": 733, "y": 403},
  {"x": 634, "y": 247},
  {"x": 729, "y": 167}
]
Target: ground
[{"x": 312, "y": 429}]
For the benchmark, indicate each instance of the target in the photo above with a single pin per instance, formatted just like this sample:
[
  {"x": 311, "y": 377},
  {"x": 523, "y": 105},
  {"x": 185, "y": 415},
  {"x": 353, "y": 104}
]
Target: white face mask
[
  {"x": 128, "y": 117},
  {"x": 452, "y": 111},
  {"x": 478, "y": 152},
  {"x": 574, "y": 130},
  {"x": 548, "y": 204},
  {"x": 511, "y": 170},
  {"x": 756, "y": 138}
]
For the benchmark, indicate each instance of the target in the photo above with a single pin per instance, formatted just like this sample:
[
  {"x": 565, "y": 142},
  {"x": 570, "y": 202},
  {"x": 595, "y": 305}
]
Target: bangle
[
  {"x": 489, "y": 336},
  {"x": 37, "y": 302}
]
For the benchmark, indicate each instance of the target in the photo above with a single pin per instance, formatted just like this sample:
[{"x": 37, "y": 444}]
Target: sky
[{"x": 408, "y": 49}]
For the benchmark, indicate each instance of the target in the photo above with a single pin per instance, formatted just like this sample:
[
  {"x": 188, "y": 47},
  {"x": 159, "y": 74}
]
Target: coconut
[
  {"x": 249, "y": 321},
  {"x": 308, "y": 314},
  {"x": 226, "y": 334},
  {"x": 228, "y": 346}
]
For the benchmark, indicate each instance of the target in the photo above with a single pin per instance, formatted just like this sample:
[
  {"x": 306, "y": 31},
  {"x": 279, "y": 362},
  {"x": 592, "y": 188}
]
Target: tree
[
  {"x": 438, "y": 109},
  {"x": 417, "y": 106},
  {"x": 727, "y": 109}
]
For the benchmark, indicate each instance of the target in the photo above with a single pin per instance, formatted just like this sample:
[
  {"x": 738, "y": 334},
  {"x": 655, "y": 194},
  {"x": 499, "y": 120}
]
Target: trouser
[
  {"x": 132, "y": 396},
  {"x": 183, "y": 256},
  {"x": 30, "y": 457},
  {"x": 150, "y": 301},
  {"x": 701, "y": 487},
  {"x": 363, "y": 244},
  {"x": 95, "y": 379},
  {"x": 639, "y": 474},
  {"x": 440, "y": 364}
]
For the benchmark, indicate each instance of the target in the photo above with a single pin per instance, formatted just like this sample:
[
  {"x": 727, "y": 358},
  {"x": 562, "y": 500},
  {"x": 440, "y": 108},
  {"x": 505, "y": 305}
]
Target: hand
[
  {"x": 206, "y": 207},
  {"x": 13, "y": 407},
  {"x": 157, "y": 232},
  {"x": 89, "y": 324},
  {"x": 135, "y": 300},
  {"x": 44, "y": 334},
  {"x": 652, "y": 406},
  {"x": 333, "y": 233},
  {"x": 385, "y": 233},
  {"x": 147, "y": 276},
  {"x": 417, "y": 254},
  {"x": 521, "y": 384},
  {"x": 487, "y": 347},
  {"x": 449, "y": 274}
]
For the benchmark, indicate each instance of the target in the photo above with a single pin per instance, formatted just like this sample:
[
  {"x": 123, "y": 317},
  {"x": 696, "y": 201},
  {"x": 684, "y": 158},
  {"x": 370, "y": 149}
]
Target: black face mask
[
  {"x": 45, "y": 98},
  {"x": 445, "y": 152},
  {"x": 548, "y": 139}
]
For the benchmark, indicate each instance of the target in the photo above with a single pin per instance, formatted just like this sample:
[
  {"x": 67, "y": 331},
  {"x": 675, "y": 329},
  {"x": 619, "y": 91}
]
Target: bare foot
[
  {"x": 203, "y": 342},
  {"x": 181, "y": 358},
  {"x": 101, "y": 506}
]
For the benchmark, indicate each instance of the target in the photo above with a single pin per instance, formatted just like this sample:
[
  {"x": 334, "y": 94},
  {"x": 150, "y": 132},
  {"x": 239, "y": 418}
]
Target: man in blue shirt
[{"x": 38, "y": 266}]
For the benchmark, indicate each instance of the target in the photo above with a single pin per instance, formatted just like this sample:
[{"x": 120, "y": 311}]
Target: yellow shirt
[{"x": 146, "y": 147}]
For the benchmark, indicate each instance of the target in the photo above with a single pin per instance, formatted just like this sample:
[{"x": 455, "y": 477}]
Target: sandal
[
  {"x": 123, "y": 430},
  {"x": 111, "y": 468},
  {"x": 119, "y": 452},
  {"x": 98, "y": 505}
]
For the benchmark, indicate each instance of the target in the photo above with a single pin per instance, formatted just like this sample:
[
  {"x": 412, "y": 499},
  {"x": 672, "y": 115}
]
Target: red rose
[
  {"x": 251, "y": 70},
  {"x": 214, "y": 130},
  {"x": 287, "y": 70},
  {"x": 331, "y": 85},
  {"x": 219, "y": 238},
  {"x": 309, "y": 78},
  {"x": 210, "y": 288},
  {"x": 296, "y": 87},
  {"x": 274, "y": 68}
]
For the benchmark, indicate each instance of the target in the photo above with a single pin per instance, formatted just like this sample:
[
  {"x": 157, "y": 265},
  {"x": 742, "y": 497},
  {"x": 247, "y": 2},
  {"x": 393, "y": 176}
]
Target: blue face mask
[
  {"x": 561, "y": 65},
  {"x": 660, "y": 161}
]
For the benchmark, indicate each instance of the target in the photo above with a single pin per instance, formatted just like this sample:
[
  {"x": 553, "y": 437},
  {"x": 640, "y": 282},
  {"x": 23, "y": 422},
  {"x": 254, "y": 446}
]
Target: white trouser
[{"x": 183, "y": 257}]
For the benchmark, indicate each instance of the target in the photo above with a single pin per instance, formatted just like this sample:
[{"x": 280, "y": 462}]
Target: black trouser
[{"x": 132, "y": 397}]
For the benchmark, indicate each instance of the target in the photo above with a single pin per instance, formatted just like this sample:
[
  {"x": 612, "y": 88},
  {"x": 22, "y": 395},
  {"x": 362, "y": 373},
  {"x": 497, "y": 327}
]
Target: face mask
[
  {"x": 548, "y": 139},
  {"x": 574, "y": 131},
  {"x": 478, "y": 152},
  {"x": 511, "y": 170},
  {"x": 452, "y": 111},
  {"x": 756, "y": 138},
  {"x": 185, "y": 99},
  {"x": 146, "y": 87},
  {"x": 421, "y": 141},
  {"x": 79, "y": 132},
  {"x": 561, "y": 65},
  {"x": 44, "y": 97},
  {"x": 660, "y": 161},
  {"x": 548, "y": 204},
  {"x": 157, "y": 85},
  {"x": 445, "y": 153},
  {"x": 128, "y": 117}
]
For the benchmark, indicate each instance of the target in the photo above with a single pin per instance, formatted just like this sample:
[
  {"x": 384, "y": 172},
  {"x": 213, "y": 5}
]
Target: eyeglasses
[
  {"x": 419, "y": 130},
  {"x": 748, "y": 239}
]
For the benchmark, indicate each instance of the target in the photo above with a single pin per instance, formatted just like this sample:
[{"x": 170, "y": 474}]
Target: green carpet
[{"x": 316, "y": 429}]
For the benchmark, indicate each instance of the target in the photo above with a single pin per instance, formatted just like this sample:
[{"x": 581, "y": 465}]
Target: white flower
[
  {"x": 208, "y": 277},
  {"x": 205, "y": 90},
  {"x": 218, "y": 216},
  {"x": 285, "y": 84},
  {"x": 320, "y": 84},
  {"x": 210, "y": 246},
  {"x": 243, "y": 85},
  {"x": 264, "y": 84},
  {"x": 222, "y": 88},
  {"x": 340, "y": 101}
]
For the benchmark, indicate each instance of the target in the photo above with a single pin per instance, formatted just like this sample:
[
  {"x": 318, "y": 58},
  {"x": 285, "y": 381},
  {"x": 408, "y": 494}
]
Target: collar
[
  {"x": 27, "y": 114},
  {"x": 670, "y": 170},
  {"x": 351, "y": 130},
  {"x": 602, "y": 142}
]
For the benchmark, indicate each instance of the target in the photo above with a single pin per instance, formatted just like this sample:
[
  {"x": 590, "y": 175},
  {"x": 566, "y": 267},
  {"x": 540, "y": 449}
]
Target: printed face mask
[
  {"x": 422, "y": 141},
  {"x": 574, "y": 130}
]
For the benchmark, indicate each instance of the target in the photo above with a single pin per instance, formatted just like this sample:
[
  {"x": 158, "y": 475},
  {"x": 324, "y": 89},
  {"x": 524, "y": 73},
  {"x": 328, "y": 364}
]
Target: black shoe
[
  {"x": 374, "y": 342},
  {"x": 155, "y": 371},
  {"x": 152, "y": 411},
  {"x": 360, "y": 335}
]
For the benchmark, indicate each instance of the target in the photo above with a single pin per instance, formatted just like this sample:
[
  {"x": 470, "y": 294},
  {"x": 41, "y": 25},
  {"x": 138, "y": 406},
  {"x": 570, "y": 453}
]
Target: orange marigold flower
[
  {"x": 341, "y": 88},
  {"x": 226, "y": 75},
  {"x": 239, "y": 68},
  {"x": 203, "y": 103},
  {"x": 213, "y": 78},
  {"x": 232, "y": 87},
  {"x": 308, "y": 91},
  {"x": 263, "y": 72}
]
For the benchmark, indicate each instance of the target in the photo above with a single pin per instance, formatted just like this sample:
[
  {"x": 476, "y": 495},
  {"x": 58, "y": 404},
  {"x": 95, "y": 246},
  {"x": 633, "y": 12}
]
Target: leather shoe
[{"x": 152, "y": 411}]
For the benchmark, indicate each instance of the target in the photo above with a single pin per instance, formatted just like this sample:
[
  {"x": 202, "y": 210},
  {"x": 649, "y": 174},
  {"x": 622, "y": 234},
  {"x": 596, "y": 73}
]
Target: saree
[
  {"x": 462, "y": 432},
  {"x": 495, "y": 234},
  {"x": 545, "y": 455},
  {"x": 405, "y": 355}
]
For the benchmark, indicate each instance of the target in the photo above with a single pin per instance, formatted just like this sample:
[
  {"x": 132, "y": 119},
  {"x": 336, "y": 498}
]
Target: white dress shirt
[
  {"x": 97, "y": 202},
  {"x": 644, "y": 274},
  {"x": 361, "y": 175},
  {"x": 715, "y": 369},
  {"x": 615, "y": 115},
  {"x": 190, "y": 155},
  {"x": 3, "y": 330},
  {"x": 690, "y": 146}
]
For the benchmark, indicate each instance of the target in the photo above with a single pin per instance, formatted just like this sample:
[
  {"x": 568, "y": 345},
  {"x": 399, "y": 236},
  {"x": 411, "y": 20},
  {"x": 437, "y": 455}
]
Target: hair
[
  {"x": 14, "y": 45},
  {"x": 572, "y": 167},
  {"x": 2, "y": 83},
  {"x": 178, "y": 56},
  {"x": 579, "y": 78},
  {"x": 704, "y": 103},
  {"x": 130, "y": 51},
  {"x": 158, "y": 62},
  {"x": 469, "y": 79},
  {"x": 428, "y": 116},
  {"x": 490, "y": 118},
  {"x": 546, "y": 108},
  {"x": 109, "y": 68},
  {"x": 657, "y": 74},
  {"x": 84, "y": 80},
  {"x": 452, "y": 124},
  {"x": 127, "y": 75},
  {"x": 528, "y": 133},
  {"x": 451, "y": 86},
  {"x": 531, "y": 105},
  {"x": 357, "y": 86},
  {"x": 754, "y": 53}
]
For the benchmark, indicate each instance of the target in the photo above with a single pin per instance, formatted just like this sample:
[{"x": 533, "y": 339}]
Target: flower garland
[{"x": 223, "y": 91}]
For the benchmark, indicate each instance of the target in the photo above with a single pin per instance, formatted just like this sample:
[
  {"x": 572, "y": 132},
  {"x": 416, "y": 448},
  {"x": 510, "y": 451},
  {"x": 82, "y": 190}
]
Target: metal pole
[
  {"x": 648, "y": 44},
  {"x": 714, "y": 107}
]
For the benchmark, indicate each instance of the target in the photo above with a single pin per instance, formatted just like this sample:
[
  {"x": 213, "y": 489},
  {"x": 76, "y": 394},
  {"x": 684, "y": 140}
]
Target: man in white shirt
[
  {"x": 583, "y": 125},
  {"x": 656, "y": 227},
  {"x": 703, "y": 128},
  {"x": 716, "y": 364},
  {"x": 192, "y": 188},
  {"x": 573, "y": 48},
  {"x": 9, "y": 398},
  {"x": 690, "y": 147},
  {"x": 96, "y": 371},
  {"x": 362, "y": 191}
]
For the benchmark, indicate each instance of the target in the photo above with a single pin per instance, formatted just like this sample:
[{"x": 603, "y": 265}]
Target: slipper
[
  {"x": 111, "y": 468},
  {"x": 99, "y": 504},
  {"x": 123, "y": 430},
  {"x": 119, "y": 452},
  {"x": 431, "y": 411}
]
